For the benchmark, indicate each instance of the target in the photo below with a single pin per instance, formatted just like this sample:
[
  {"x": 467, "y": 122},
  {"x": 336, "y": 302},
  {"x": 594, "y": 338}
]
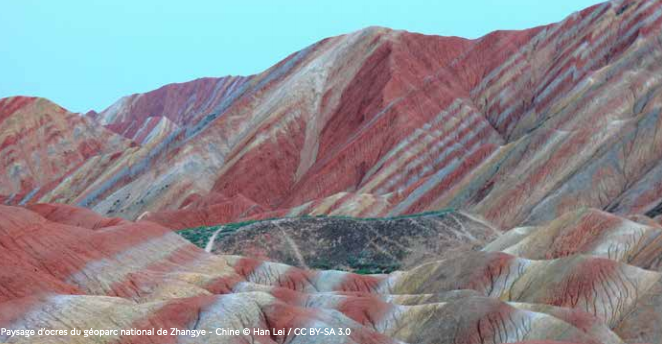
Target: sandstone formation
[
  {"x": 517, "y": 126},
  {"x": 141, "y": 275},
  {"x": 404, "y": 187}
]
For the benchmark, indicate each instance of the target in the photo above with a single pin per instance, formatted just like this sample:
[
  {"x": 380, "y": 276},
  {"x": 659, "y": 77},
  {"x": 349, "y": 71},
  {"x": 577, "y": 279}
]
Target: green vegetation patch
[{"x": 200, "y": 237}]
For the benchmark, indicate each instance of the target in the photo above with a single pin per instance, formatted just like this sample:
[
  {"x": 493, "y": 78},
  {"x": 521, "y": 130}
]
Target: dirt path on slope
[{"x": 210, "y": 243}]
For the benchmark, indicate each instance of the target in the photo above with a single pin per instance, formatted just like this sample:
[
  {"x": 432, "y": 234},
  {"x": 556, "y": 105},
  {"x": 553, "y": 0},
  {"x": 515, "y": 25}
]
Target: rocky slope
[
  {"x": 62, "y": 274},
  {"x": 142, "y": 276},
  {"x": 517, "y": 126},
  {"x": 41, "y": 144},
  {"x": 542, "y": 148}
]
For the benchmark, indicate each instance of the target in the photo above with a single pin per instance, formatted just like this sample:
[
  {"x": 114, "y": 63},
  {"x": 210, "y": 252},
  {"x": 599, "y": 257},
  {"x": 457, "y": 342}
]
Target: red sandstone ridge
[
  {"x": 139, "y": 116},
  {"x": 212, "y": 209},
  {"x": 517, "y": 126},
  {"x": 73, "y": 216},
  {"x": 41, "y": 143},
  {"x": 141, "y": 275}
]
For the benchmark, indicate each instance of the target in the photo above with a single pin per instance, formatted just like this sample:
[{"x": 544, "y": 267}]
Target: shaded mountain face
[
  {"x": 503, "y": 189},
  {"x": 518, "y": 126}
]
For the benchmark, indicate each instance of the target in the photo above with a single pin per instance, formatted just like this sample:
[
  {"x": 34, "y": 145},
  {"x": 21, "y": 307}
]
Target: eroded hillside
[
  {"x": 404, "y": 187},
  {"x": 517, "y": 126}
]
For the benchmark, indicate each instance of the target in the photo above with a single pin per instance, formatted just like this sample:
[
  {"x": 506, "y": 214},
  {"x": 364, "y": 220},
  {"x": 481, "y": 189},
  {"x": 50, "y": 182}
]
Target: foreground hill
[
  {"x": 517, "y": 126},
  {"x": 68, "y": 268}
]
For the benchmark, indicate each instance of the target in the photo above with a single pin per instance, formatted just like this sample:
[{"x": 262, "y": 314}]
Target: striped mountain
[
  {"x": 531, "y": 160},
  {"x": 587, "y": 277},
  {"x": 517, "y": 126}
]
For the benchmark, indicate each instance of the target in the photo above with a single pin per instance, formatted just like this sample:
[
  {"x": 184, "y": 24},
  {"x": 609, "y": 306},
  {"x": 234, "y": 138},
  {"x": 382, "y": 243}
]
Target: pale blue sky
[{"x": 86, "y": 54}]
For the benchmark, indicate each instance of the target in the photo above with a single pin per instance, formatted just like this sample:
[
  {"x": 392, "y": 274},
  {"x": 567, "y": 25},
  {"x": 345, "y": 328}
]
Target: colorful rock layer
[
  {"x": 60, "y": 274},
  {"x": 517, "y": 126},
  {"x": 546, "y": 144}
]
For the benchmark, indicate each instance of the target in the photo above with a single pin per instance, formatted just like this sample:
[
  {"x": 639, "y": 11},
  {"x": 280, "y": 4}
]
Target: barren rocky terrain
[{"x": 403, "y": 187}]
